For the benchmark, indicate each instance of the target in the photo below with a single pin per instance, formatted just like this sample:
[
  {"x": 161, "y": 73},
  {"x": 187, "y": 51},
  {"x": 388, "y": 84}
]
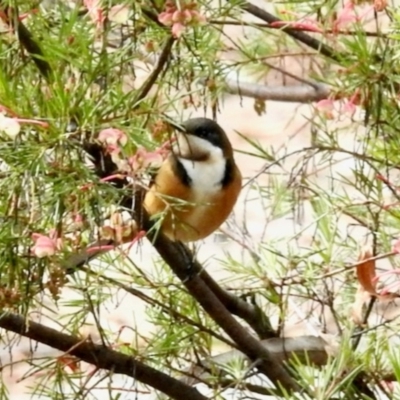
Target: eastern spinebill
[
  {"x": 194, "y": 190},
  {"x": 198, "y": 184}
]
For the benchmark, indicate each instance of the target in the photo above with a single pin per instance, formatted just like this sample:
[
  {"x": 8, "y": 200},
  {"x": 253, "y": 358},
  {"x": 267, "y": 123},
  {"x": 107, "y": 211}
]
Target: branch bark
[
  {"x": 181, "y": 262},
  {"x": 307, "y": 349},
  {"x": 100, "y": 356},
  {"x": 298, "y": 94},
  {"x": 161, "y": 63}
]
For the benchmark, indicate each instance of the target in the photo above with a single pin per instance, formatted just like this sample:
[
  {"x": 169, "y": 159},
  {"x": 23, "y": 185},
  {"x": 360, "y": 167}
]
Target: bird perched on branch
[
  {"x": 193, "y": 191},
  {"x": 197, "y": 186}
]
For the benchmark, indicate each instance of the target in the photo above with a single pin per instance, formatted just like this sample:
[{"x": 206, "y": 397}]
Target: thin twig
[
  {"x": 150, "y": 81},
  {"x": 155, "y": 303},
  {"x": 308, "y": 40},
  {"x": 296, "y": 28},
  {"x": 26, "y": 39}
]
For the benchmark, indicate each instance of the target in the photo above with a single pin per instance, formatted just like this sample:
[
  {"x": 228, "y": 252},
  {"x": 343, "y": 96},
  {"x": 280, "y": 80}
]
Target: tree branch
[
  {"x": 181, "y": 262},
  {"x": 308, "y": 40},
  {"x": 298, "y": 94},
  {"x": 150, "y": 81},
  {"x": 307, "y": 349},
  {"x": 100, "y": 356},
  {"x": 253, "y": 316},
  {"x": 296, "y": 28}
]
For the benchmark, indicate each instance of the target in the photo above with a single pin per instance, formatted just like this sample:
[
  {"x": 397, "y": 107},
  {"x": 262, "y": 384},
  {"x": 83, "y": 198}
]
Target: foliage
[{"x": 112, "y": 73}]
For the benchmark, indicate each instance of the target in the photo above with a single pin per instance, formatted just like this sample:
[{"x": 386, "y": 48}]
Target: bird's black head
[{"x": 209, "y": 130}]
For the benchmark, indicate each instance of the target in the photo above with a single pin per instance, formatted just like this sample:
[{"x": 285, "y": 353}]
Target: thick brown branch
[
  {"x": 298, "y": 94},
  {"x": 181, "y": 262},
  {"x": 255, "y": 318},
  {"x": 307, "y": 349},
  {"x": 100, "y": 356}
]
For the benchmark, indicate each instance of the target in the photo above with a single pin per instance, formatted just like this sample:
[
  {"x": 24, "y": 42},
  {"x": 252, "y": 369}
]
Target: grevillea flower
[
  {"x": 10, "y": 126},
  {"x": 95, "y": 11},
  {"x": 326, "y": 107},
  {"x": 45, "y": 246},
  {"x": 144, "y": 159},
  {"x": 348, "y": 15},
  {"x": 113, "y": 137},
  {"x": 179, "y": 19}
]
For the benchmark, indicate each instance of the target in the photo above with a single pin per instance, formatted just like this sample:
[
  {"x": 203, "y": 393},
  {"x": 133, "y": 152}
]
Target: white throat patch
[{"x": 206, "y": 176}]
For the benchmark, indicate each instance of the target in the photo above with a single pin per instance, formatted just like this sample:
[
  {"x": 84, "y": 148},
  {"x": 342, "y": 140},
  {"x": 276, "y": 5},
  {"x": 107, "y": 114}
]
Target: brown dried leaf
[
  {"x": 366, "y": 276},
  {"x": 69, "y": 361},
  {"x": 366, "y": 272}
]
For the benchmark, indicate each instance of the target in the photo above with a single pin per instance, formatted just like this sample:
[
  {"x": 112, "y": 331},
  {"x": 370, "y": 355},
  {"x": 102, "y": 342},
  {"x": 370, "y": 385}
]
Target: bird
[
  {"x": 193, "y": 192},
  {"x": 197, "y": 185}
]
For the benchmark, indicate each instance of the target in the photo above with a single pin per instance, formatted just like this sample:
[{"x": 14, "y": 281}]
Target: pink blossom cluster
[
  {"x": 119, "y": 13},
  {"x": 179, "y": 18},
  {"x": 46, "y": 246},
  {"x": 331, "y": 109},
  {"x": 114, "y": 139},
  {"x": 119, "y": 226},
  {"x": 346, "y": 16}
]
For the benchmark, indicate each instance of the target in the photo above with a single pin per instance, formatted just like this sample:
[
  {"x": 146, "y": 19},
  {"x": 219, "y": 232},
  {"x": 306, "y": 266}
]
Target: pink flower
[
  {"x": 396, "y": 246},
  {"x": 305, "y": 25},
  {"x": 326, "y": 107},
  {"x": 144, "y": 159},
  {"x": 179, "y": 16},
  {"x": 179, "y": 19},
  {"x": 197, "y": 17},
  {"x": 113, "y": 137},
  {"x": 95, "y": 11},
  {"x": 348, "y": 15},
  {"x": 345, "y": 16},
  {"x": 349, "y": 107},
  {"x": 45, "y": 246},
  {"x": 165, "y": 18},
  {"x": 380, "y": 5},
  {"x": 177, "y": 29}
]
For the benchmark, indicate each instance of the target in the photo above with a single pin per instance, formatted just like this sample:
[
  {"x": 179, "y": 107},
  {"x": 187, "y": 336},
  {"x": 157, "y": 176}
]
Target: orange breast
[{"x": 183, "y": 216}]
